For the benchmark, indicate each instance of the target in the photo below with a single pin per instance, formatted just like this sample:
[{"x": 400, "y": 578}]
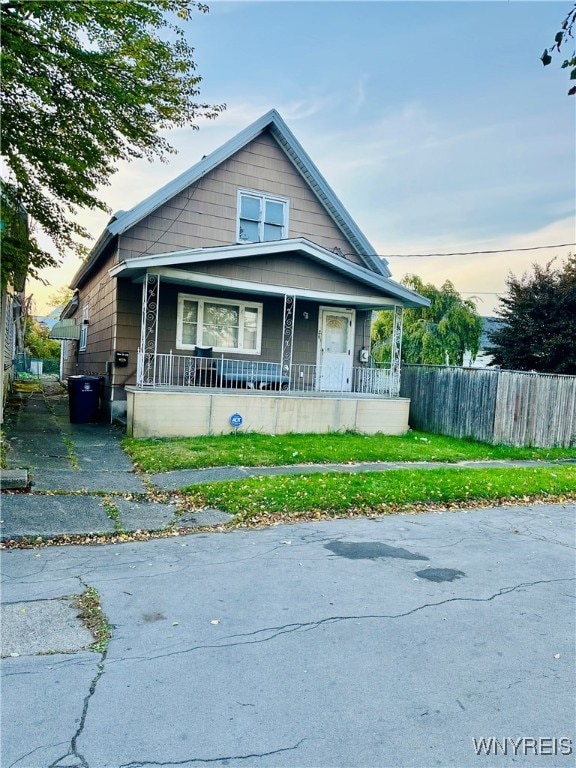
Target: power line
[{"x": 470, "y": 253}]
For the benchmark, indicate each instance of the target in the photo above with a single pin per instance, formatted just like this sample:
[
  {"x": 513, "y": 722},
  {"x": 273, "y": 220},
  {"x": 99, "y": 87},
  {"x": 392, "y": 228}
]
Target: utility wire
[{"x": 469, "y": 253}]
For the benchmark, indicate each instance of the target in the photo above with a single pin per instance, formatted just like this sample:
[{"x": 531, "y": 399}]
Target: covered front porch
[{"x": 291, "y": 354}]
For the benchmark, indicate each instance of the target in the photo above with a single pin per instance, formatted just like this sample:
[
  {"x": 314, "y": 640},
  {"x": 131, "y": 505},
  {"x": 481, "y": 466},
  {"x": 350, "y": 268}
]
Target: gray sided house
[{"x": 241, "y": 289}]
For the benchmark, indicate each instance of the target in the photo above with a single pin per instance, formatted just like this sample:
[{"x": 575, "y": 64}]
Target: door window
[{"x": 336, "y": 334}]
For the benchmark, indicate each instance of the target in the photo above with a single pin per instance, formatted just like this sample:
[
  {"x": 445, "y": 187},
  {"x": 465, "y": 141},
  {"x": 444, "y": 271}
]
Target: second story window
[{"x": 261, "y": 218}]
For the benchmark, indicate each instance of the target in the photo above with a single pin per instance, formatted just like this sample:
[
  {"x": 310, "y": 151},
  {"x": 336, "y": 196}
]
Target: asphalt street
[{"x": 393, "y": 642}]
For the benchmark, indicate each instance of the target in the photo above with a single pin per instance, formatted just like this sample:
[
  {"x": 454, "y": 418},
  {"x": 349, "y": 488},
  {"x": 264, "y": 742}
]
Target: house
[
  {"x": 484, "y": 357},
  {"x": 15, "y": 236},
  {"x": 48, "y": 321},
  {"x": 241, "y": 290},
  {"x": 9, "y": 309}
]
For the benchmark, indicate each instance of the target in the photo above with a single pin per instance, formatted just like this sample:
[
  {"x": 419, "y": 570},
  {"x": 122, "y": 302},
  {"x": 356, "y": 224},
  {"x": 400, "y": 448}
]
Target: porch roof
[
  {"x": 65, "y": 329},
  {"x": 384, "y": 291}
]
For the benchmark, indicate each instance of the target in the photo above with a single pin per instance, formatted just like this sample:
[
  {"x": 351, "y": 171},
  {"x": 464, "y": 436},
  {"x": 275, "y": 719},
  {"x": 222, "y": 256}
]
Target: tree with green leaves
[
  {"x": 85, "y": 86},
  {"x": 19, "y": 248},
  {"x": 538, "y": 321},
  {"x": 38, "y": 342},
  {"x": 60, "y": 297},
  {"x": 560, "y": 39},
  {"x": 436, "y": 335}
]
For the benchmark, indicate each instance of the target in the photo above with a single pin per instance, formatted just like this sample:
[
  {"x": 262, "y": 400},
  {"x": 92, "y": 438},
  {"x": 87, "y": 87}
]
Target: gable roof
[{"x": 271, "y": 121}]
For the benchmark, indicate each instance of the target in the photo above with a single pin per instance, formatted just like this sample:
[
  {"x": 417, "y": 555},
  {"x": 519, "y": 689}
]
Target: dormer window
[{"x": 261, "y": 218}]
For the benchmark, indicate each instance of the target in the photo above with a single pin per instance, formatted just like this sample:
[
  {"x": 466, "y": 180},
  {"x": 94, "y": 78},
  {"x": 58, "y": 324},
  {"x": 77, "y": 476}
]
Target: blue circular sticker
[{"x": 236, "y": 420}]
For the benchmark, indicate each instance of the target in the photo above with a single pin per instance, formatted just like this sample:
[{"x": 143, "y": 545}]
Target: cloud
[{"x": 358, "y": 94}]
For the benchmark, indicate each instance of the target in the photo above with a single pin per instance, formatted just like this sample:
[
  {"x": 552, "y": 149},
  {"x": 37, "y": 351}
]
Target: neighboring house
[
  {"x": 242, "y": 288},
  {"x": 49, "y": 321},
  {"x": 15, "y": 235},
  {"x": 484, "y": 357},
  {"x": 9, "y": 311}
]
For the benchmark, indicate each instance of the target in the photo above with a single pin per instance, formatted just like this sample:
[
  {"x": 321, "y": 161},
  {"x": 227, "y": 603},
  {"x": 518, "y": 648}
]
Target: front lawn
[
  {"x": 255, "y": 450},
  {"x": 265, "y": 498}
]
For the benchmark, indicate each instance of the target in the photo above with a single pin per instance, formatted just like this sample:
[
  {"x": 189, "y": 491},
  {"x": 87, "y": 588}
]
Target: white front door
[{"x": 335, "y": 344}]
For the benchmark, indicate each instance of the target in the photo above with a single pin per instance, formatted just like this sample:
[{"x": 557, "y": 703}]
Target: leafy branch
[
  {"x": 86, "y": 85},
  {"x": 560, "y": 39}
]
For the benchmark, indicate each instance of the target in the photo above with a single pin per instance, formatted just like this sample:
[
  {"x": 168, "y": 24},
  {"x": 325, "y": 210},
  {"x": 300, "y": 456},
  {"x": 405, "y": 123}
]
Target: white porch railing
[{"x": 191, "y": 372}]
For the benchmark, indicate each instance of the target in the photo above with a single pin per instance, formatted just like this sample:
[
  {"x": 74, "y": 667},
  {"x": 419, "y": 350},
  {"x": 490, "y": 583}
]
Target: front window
[
  {"x": 226, "y": 326},
  {"x": 261, "y": 218}
]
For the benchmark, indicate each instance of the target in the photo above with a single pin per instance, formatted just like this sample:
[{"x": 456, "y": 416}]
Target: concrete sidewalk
[
  {"x": 171, "y": 481},
  {"x": 78, "y": 476}
]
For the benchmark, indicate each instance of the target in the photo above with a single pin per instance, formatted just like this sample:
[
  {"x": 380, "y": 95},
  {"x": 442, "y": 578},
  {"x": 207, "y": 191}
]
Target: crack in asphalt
[
  {"x": 177, "y": 564},
  {"x": 528, "y": 532},
  {"x": 223, "y": 758},
  {"x": 73, "y": 749},
  {"x": 307, "y": 626},
  {"x": 32, "y": 751}
]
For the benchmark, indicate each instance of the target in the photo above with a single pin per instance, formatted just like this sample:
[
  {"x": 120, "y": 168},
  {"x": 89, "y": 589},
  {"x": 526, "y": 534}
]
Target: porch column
[
  {"x": 396, "y": 351},
  {"x": 288, "y": 335},
  {"x": 146, "y": 373}
]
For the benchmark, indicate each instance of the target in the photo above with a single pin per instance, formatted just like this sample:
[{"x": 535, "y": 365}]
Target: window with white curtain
[{"x": 225, "y": 325}]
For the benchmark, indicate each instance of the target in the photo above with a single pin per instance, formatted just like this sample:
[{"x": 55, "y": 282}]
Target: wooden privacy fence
[{"x": 510, "y": 407}]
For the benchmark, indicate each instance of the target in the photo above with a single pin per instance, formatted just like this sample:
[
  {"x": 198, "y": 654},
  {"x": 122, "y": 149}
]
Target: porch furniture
[
  {"x": 204, "y": 368},
  {"x": 250, "y": 374}
]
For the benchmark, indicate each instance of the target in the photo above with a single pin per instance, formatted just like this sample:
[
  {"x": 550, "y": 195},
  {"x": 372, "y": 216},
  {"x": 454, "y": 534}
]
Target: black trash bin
[{"x": 84, "y": 399}]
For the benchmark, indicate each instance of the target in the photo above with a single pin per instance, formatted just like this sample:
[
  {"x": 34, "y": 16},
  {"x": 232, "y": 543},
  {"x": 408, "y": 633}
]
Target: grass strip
[
  {"x": 72, "y": 455},
  {"x": 4, "y": 447},
  {"x": 380, "y": 492},
  {"x": 113, "y": 514},
  {"x": 256, "y": 450}
]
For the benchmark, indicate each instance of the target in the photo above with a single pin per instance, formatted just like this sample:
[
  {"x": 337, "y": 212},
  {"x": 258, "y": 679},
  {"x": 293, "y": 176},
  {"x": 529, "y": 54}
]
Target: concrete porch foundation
[{"x": 170, "y": 413}]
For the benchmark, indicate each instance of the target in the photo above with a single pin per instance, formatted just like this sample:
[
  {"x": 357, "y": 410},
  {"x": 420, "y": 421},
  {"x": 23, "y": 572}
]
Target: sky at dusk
[{"x": 435, "y": 123}]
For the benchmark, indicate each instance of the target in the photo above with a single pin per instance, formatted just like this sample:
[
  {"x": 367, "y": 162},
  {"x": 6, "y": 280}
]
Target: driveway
[{"x": 368, "y": 643}]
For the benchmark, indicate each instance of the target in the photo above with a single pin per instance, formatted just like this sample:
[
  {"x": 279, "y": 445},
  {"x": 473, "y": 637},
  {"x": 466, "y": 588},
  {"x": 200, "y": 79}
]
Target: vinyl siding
[
  {"x": 204, "y": 214},
  {"x": 287, "y": 271},
  {"x": 129, "y": 308},
  {"x": 98, "y": 296}
]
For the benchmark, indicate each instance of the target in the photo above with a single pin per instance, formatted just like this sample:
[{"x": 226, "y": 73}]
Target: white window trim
[
  {"x": 262, "y": 197},
  {"x": 83, "y": 340},
  {"x": 182, "y": 297}
]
